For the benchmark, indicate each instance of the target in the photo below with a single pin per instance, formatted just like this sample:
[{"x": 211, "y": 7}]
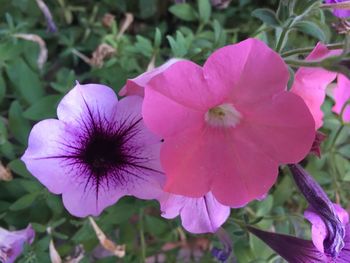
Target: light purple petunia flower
[
  {"x": 341, "y": 13},
  {"x": 12, "y": 243},
  {"x": 96, "y": 152},
  {"x": 330, "y": 228},
  {"x": 198, "y": 215}
]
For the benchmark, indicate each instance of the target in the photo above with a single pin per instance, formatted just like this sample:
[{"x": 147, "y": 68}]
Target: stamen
[{"x": 224, "y": 115}]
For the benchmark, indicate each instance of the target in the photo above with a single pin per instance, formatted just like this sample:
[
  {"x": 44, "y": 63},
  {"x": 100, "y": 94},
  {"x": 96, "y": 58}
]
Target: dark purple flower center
[{"x": 104, "y": 152}]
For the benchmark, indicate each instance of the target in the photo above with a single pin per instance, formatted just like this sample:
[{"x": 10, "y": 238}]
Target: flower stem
[
  {"x": 303, "y": 63},
  {"x": 309, "y": 49},
  {"x": 142, "y": 236},
  {"x": 281, "y": 39}
]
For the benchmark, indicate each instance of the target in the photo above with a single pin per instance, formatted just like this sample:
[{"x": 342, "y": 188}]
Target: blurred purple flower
[
  {"x": 330, "y": 227},
  {"x": 220, "y": 4},
  {"x": 51, "y": 26},
  {"x": 96, "y": 152},
  {"x": 12, "y": 243},
  {"x": 341, "y": 13},
  {"x": 322, "y": 207},
  {"x": 292, "y": 249},
  {"x": 226, "y": 252}
]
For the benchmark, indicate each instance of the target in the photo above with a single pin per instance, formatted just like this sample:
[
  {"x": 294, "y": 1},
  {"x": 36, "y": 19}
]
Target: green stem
[
  {"x": 142, "y": 236},
  {"x": 281, "y": 39},
  {"x": 303, "y": 63},
  {"x": 309, "y": 49},
  {"x": 334, "y": 141}
]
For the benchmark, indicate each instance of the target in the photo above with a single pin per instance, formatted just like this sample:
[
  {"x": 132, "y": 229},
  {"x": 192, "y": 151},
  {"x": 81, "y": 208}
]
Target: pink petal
[
  {"x": 184, "y": 83},
  {"x": 217, "y": 160},
  {"x": 341, "y": 96},
  {"x": 46, "y": 140},
  {"x": 246, "y": 72},
  {"x": 311, "y": 83},
  {"x": 246, "y": 172},
  {"x": 136, "y": 85},
  {"x": 198, "y": 215},
  {"x": 283, "y": 134},
  {"x": 99, "y": 98},
  {"x": 165, "y": 116}
]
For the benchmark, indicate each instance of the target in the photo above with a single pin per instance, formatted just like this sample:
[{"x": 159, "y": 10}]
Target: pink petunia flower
[
  {"x": 136, "y": 85},
  {"x": 96, "y": 152},
  {"x": 12, "y": 243},
  {"x": 342, "y": 96},
  {"x": 229, "y": 124},
  {"x": 311, "y": 84},
  {"x": 198, "y": 215}
]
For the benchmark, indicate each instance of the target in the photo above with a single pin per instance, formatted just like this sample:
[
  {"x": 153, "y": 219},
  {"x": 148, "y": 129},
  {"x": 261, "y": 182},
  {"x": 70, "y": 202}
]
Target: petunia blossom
[
  {"x": 321, "y": 211},
  {"x": 342, "y": 97},
  {"x": 12, "y": 243},
  {"x": 341, "y": 13},
  {"x": 229, "y": 124},
  {"x": 198, "y": 215},
  {"x": 136, "y": 85},
  {"x": 96, "y": 152},
  {"x": 311, "y": 83},
  {"x": 330, "y": 228}
]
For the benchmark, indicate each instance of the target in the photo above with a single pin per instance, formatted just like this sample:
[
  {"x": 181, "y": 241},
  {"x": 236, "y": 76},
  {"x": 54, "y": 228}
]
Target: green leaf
[
  {"x": 3, "y": 132},
  {"x": 184, "y": 12},
  {"x": 157, "y": 38},
  {"x": 65, "y": 79},
  {"x": 19, "y": 168},
  {"x": 312, "y": 29},
  {"x": 2, "y": 88},
  {"x": 24, "y": 202},
  {"x": 265, "y": 206},
  {"x": 25, "y": 80},
  {"x": 39, "y": 228},
  {"x": 44, "y": 108},
  {"x": 55, "y": 204},
  {"x": 267, "y": 16},
  {"x": 180, "y": 45},
  {"x": 18, "y": 125},
  {"x": 143, "y": 46},
  {"x": 155, "y": 225},
  {"x": 204, "y": 8},
  {"x": 9, "y": 51},
  {"x": 147, "y": 8}
]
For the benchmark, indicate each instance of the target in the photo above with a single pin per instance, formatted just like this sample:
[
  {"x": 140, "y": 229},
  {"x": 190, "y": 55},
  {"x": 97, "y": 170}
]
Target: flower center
[
  {"x": 103, "y": 152},
  {"x": 224, "y": 115}
]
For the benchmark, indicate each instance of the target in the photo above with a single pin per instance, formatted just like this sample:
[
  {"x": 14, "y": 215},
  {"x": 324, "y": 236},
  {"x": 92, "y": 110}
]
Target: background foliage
[{"x": 160, "y": 30}]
